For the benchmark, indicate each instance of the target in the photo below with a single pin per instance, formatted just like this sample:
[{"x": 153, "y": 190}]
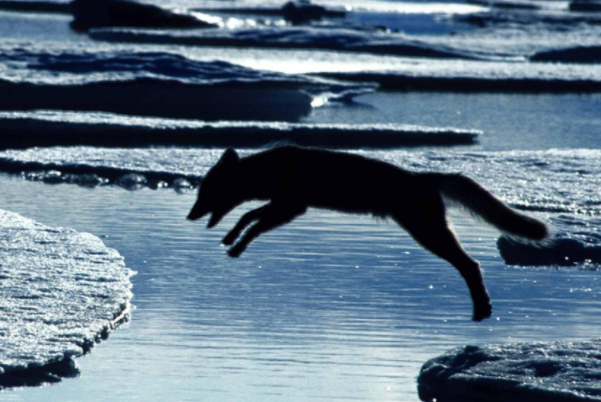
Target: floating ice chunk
[
  {"x": 46, "y": 176},
  {"x": 101, "y": 13},
  {"x": 522, "y": 372},
  {"x": 132, "y": 181},
  {"x": 298, "y": 37},
  {"x": 26, "y": 129},
  {"x": 526, "y": 79},
  {"x": 585, "y": 5},
  {"x": 507, "y": 4},
  {"x": 182, "y": 185},
  {"x": 294, "y": 11},
  {"x": 552, "y": 17},
  {"x": 61, "y": 291},
  {"x": 302, "y": 11},
  {"x": 579, "y": 54},
  {"x": 38, "y": 6},
  {"x": 159, "y": 84},
  {"x": 558, "y": 251},
  {"x": 56, "y": 177}
]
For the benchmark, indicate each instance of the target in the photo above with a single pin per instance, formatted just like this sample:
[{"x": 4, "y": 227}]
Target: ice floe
[
  {"x": 39, "y": 6},
  {"x": 585, "y": 5},
  {"x": 300, "y": 37},
  {"x": 578, "y": 54},
  {"x": 559, "y": 251},
  {"x": 62, "y": 291},
  {"x": 27, "y": 129},
  {"x": 158, "y": 84},
  {"x": 98, "y": 13},
  {"x": 294, "y": 11},
  {"x": 529, "y": 79},
  {"x": 519, "y": 372}
]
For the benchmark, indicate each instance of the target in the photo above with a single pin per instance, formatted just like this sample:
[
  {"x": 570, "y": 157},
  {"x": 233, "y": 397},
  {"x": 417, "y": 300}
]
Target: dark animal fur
[{"x": 293, "y": 179}]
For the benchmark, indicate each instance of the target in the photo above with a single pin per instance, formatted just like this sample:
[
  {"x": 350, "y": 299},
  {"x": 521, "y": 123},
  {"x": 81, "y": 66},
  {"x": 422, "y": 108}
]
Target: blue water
[
  {"x": 509, "y": 121},
  {"x": 331, "y": 306}
]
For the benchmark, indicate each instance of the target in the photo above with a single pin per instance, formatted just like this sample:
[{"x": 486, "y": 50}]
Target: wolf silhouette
[{"x": 294, "y": 178}]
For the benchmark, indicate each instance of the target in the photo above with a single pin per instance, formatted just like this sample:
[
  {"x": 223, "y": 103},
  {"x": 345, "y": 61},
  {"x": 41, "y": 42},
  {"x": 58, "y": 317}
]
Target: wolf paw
[
  {"x": 482, "y": 312},
  {"x": 236, "y": 251},
  {"x": 229, "y": 239}
]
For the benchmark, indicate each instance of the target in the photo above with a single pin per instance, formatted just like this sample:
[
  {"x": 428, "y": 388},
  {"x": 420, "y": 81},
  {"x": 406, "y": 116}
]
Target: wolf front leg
[
  {"x": 270, "y": 217},
  {"x": 244, "y": 221}
]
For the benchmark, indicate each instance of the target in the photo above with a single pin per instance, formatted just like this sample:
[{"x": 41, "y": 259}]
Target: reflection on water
[{"x": 328, "y": 307}]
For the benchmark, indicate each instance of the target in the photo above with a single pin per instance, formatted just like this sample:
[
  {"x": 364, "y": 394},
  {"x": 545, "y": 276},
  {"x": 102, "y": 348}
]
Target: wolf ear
[{"x": 229, "y": 157}]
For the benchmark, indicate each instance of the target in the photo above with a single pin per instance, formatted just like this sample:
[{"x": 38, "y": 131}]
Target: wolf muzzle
[{"x": 197, "y": 212}]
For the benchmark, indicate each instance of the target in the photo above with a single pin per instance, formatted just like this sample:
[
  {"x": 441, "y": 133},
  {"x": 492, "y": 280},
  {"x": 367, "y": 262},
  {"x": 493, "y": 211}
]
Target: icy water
[{"x": 329, "y": 307}]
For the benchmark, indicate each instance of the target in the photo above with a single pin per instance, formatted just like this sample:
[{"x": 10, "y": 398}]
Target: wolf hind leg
[
  {"x": 273, "y": 216},
  {"x": 244, "y": 221},
  {"x": 428, "y": 226}
]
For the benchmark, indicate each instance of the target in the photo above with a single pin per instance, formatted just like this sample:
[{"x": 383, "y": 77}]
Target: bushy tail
[{"x": 469, "y": 194}]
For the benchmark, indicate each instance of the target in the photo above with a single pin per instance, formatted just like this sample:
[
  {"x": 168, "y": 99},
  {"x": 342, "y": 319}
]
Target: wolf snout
[{"x": 198, "y": 211}]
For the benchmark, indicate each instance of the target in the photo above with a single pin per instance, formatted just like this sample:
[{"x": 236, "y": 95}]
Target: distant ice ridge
[
  {"x": 305, "y": 37},
  {"x": 549, "y": 59},
  {"x": 52, "y": 128},
  {"x": 518, "y": 372},
  {"x": 444, "y": 7},
  {"x": 559, "y": 43},
  {"x": 40, "y": 6},
  {"x": 158, "y": 84},
  {"x": 95, "y": 13},
  {"x": 62, "y": 292}
]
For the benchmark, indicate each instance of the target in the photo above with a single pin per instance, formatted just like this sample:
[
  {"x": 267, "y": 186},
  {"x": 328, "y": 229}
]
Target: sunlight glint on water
[{"x": 331, "y": 306}]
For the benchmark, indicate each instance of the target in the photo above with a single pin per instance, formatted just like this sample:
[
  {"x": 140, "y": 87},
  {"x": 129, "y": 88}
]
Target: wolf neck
[{"x": 258, "y": 179}]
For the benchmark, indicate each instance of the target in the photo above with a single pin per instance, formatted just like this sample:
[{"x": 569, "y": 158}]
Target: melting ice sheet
[
  {"x": 158, "y": 84},
  {"x": 520, "y": 372},
  {"x": 27, "y": 129},
  {"x": 61, "y": 291},
  {"x": 465, "y": 62},
  {"x": 322, "y": 38}
]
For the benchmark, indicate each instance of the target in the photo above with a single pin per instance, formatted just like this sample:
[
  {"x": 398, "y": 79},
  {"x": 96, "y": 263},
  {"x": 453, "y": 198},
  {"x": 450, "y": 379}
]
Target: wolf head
[{"x": 218, "y": 191}]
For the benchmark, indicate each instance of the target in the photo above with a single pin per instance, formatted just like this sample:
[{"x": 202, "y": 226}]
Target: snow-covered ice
[
  {"x": 97, "y": 13},
  {"x": 518, "y": 372},
  {"x": 158, "y": 84},
  {"x": 52, "y": 128},
  {"x": 306, "y": 37},
  {"x": 62, "y": 291}
]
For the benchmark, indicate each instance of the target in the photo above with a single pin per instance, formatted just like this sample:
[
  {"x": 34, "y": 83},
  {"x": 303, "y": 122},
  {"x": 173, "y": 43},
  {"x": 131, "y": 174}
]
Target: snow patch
[
  {"x": 159, "y": 84},
  {"x": 62, "y": 292},
  {"x": 27, "y": 129},
  {"x": 520, "y": 372}
]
